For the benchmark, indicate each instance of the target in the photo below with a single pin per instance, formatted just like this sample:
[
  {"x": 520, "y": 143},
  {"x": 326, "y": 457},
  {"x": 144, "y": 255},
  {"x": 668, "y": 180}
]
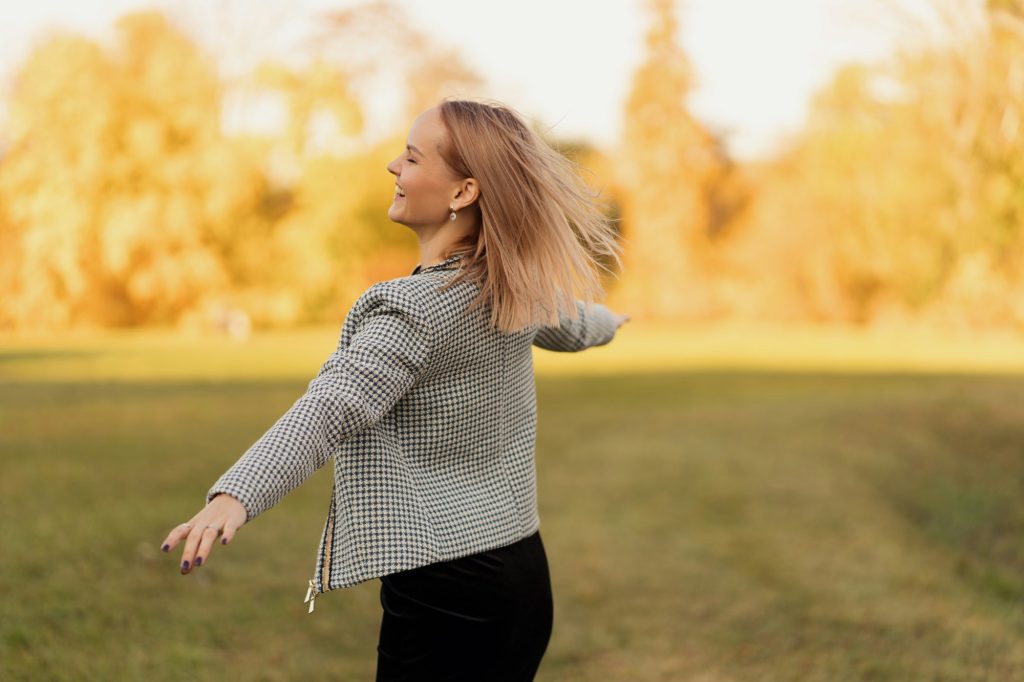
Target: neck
[{"x": 435, "y": 243}]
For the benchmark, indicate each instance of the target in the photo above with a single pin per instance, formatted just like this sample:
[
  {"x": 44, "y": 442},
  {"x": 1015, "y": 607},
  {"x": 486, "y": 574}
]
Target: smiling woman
[
  {"x": 427, "y": 407},
  {"x": 523, "y": 220},
  {"x": 427, "y": 192}
]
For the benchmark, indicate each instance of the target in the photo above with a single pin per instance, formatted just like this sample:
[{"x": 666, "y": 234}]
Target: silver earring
[{"x": 452, "y": 216}]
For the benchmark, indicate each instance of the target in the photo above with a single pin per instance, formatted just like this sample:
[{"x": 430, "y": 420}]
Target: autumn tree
[
  {"x": 974, "y": 92},
  {"x": 125, "y": 202},
  {"x": 335, "y": 238},
  {"x": 670, "y": 165},
  {"x": 378, "y": 42},
  {"x": 902, "y": 195}
]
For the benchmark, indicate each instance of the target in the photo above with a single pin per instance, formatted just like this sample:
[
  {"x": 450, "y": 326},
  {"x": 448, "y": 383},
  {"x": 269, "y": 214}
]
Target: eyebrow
[{"x": 412, "y": 148}]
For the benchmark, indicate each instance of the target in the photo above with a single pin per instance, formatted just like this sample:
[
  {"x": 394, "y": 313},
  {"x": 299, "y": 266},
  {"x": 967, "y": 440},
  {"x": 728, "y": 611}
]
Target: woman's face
[{"x": 424, "y": 185}]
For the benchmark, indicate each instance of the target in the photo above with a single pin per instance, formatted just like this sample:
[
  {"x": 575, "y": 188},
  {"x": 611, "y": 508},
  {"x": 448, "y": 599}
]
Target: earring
[{"x": 452, "y": 216}]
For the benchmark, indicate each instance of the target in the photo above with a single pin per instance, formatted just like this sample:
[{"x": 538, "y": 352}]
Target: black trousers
[{"x": 485, "y": 617}]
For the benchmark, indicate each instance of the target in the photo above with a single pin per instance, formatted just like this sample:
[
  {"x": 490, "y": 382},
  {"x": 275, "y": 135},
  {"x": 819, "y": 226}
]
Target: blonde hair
[{"x": 542, "y": 236}]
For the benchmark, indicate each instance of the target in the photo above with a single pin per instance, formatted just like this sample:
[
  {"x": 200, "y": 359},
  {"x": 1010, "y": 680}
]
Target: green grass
[{"x": 702, "y": 523}]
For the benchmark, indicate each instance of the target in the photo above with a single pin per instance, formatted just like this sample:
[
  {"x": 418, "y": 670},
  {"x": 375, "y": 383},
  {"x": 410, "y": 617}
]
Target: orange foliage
[
  {"x": 669, "y": 165},
  {"x": 124, "y": 202}
]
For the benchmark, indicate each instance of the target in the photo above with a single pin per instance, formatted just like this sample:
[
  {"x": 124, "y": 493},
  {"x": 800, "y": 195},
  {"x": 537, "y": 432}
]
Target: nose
[{"x": 393, "y": 168}]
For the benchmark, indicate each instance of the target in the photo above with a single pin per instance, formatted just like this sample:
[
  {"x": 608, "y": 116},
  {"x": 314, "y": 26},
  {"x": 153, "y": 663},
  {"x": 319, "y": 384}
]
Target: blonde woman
[{"x": 427, "y": 408}]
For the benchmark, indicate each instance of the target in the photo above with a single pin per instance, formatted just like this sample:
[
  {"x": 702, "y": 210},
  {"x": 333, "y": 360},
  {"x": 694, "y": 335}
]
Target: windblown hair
[{"x": 542, "y": 234}]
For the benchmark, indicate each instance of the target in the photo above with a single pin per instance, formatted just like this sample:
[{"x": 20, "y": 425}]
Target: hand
[{"x": 223, "y": 515}]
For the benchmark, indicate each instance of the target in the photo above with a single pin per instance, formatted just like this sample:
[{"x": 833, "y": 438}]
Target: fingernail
[
  {"x": 166, "y": 548},
  {"x": 223, "y": 541},
  {"x": 184, "y": 565},
  {"x": 199, "y": 561}
]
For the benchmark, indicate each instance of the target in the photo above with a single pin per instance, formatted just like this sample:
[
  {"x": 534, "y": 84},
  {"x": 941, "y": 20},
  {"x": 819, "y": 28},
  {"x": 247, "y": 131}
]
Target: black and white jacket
[{"x": 429, "y": 415}]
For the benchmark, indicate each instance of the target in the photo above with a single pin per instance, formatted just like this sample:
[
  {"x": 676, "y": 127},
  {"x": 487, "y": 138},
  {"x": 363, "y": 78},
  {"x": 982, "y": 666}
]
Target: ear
[{"x": 467, "y": 194}]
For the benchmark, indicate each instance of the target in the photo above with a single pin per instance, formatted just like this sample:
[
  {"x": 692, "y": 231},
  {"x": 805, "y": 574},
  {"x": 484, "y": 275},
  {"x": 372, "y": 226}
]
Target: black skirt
[{"x": 483, "y": 617}]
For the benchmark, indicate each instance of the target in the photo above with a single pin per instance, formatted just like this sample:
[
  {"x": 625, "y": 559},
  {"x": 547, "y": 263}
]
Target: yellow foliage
[
  {"x": 904, "y": 195},
  {"x": 123, "y": 202},
  {"x": 104, "y": 182},
  {"x": 669, "y": 165}
]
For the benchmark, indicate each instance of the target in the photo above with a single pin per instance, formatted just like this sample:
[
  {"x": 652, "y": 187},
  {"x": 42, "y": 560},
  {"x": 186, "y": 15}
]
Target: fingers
[
  {"x": 188, "y": 553},
  {"x": 198, "y": 546},
  {"x": 230, "y": 528},
  {"x": 176, "y": 535},
  {"x": 223, "y": 515},
  {"x": 206, "y": 539}
]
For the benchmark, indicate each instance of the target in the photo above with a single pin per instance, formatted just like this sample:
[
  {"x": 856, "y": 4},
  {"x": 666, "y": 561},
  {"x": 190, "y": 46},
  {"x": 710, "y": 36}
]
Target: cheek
[{"x": 428, "y": 190}]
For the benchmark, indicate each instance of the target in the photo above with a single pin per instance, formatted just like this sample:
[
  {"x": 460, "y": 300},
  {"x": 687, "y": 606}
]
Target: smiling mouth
[{"x": 399, "y": 192}]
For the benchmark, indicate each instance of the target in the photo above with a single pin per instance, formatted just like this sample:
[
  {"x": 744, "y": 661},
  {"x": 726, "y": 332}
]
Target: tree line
[{"x": 125, "y": 199}]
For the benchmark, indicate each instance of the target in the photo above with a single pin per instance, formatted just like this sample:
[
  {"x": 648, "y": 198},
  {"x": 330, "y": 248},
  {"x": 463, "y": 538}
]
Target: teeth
[{"x": 398, "y": 189}]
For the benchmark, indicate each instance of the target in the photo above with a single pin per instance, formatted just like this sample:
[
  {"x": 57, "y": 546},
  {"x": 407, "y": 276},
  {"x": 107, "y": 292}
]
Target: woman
[{"x": 427, "y": 408}]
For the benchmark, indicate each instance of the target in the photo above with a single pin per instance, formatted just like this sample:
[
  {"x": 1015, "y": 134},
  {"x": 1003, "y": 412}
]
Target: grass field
[{"x": 812, "y": 506}]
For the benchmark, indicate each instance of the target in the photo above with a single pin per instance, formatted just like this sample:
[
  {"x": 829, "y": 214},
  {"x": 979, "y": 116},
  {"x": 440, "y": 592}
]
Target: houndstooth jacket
[{"x": 429, "y": 415}]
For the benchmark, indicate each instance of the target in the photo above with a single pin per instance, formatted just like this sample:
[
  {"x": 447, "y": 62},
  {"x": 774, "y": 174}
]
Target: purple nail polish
[
  {"x": 223, "y": 541},
  {"x": 184, "y": 565},
  {"x": 166, "y": 548},
  {"x": 199, "y": 561}
]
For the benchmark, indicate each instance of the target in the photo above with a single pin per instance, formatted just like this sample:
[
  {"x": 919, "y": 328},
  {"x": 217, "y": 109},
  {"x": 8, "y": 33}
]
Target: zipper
[
  {"x": 325, "y": 565},
  {"x": 311, "y": 596}
]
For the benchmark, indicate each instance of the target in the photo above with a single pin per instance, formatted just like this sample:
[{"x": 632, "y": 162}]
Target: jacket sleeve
[
  {"x": 353, "y": 390},
  {"x": 594, "y": 326}
]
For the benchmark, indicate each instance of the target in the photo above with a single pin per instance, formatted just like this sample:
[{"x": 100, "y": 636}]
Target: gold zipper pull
[{"x": 310, "y": 595}]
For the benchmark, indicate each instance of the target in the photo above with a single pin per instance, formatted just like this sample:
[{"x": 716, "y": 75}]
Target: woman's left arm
[
  {"x": 594, "y": 325},
  {"x": 354, "y": 389}
]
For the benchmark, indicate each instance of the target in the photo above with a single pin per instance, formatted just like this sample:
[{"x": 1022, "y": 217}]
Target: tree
[
  {"x": 670, "y": 165},
  {"x": 903, "y": 195},
  {"x": 377, "y": 42},
  {"x": 124, "y": 198}
]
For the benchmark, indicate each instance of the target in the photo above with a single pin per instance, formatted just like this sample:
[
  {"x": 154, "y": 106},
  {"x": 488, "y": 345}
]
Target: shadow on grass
[{"x": 8, "y": 356}]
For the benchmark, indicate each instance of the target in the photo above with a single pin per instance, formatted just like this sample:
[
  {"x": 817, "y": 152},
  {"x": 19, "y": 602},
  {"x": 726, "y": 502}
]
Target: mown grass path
[{"x": 702, "y": 523}]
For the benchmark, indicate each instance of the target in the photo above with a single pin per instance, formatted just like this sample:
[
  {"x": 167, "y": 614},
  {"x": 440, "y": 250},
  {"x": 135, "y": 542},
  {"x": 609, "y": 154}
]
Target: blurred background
[
  {"x": 800, "y": 461},
  {"x": 222, "y": 163}
]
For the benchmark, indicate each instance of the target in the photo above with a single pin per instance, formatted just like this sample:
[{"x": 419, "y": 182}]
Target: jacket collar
[{"x": 450, "y": 263}]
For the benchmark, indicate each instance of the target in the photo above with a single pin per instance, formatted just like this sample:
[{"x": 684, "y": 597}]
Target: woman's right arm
[{"x": 354, "y": 389}]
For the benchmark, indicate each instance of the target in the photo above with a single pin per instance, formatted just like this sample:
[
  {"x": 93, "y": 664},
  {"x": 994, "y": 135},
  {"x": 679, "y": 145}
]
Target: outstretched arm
[
  {"x": 595, "y": 325},
  {"x": 354, "y": 389}
]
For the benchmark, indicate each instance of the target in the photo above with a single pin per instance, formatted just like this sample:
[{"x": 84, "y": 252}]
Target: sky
[{"x": 566, "y": 63}]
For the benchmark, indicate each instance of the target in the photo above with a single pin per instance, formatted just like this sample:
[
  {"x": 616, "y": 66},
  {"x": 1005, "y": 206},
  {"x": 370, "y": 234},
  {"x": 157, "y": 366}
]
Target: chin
[{"x": 397, "y": 219}]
